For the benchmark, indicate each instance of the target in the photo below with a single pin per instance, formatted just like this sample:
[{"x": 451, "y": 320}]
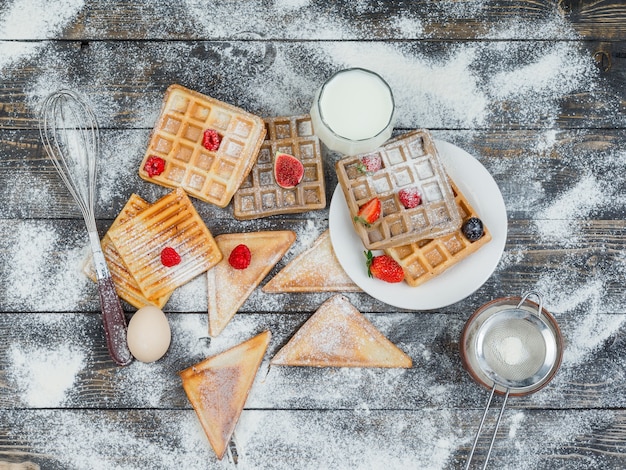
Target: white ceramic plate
[{"x": 460, "y": 280}]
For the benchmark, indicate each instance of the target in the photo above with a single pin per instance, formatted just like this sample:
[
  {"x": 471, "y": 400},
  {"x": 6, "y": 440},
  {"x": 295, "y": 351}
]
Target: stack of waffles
[
  {"x": 134, "y": 244},
  {"x": 426, "y": 239}
]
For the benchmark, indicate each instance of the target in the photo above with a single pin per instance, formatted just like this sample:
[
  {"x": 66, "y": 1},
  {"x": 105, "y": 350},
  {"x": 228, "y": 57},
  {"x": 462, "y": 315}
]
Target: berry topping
[
  {"x": 288, "y": 170},
  {"x": 368, "y": 212},
  {"x": 383, "y": 267},
  {"x": 370, "y": 164},
  {"x": 211, "y": 140},
  {"x": 240, "y": 257},
  {"x": 154, "y": 166},
  {"x": 473, "y": 229},
  {"x": 169, "y": 257},
  {"x": 410, "y": 197}
]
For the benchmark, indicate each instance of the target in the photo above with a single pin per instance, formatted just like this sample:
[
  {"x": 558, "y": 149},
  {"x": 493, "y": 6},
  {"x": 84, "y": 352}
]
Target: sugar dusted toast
[
  {"x": 170, "y": 222},
  {"x": 228, "y": 288},
  {"x": 210, "y": 174},
  {"x": 408, "y": 162},
  {"x": 125, "y": 284},
  {"x": 314, "y": 270},
  {"x": 338, "y": 335},
  {"x": 218, "y": 388},
  {"x": 426, "y": 259}
]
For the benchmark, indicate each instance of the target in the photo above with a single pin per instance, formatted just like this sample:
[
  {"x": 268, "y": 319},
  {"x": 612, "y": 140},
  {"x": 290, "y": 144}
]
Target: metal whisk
[{"x": 69, "y": 131}]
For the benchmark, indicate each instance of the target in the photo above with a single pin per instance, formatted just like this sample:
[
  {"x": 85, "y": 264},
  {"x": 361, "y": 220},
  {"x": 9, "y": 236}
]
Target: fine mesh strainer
[{"x": 512, "y": 346}]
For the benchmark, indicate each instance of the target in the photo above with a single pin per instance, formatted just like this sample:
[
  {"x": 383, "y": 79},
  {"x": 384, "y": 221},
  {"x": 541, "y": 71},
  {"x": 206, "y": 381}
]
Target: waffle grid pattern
[
  {"x": 211, "y": 176},
  {"x": 409, "y": 161},
  {"x": 426, "y": 259},
  {"x": 260, "y": 195}
]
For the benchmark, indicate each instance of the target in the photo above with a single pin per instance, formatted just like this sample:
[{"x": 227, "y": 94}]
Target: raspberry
[
  {"x": 370, "y": 164},
  {"x": 240, "y": 257},
  {"x": 211, "y": 140},
  {"x": 169, "y": 257},
  {"x": 154, "y": 166},
  {"x": 410, "y": 197}
]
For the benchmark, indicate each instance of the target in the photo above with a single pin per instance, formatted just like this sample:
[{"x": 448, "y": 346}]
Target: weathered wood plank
[
  {"x": 54, "y": 360},
  {"x": 437, "y": 84},
  {"x": 398, "y": 19},
  {"x": 360, "y": 438}
]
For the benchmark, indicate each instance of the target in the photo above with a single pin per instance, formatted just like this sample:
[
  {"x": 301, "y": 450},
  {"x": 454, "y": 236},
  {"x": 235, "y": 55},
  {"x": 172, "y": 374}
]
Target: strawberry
[
  {"x": 154, "y": 166},
  {"x": 240, "y": 257},
  {"x": 410, "y": 197},
  {"x": 370, "y": 164},
  {"x": 383, "y": 267},
  {"x": 211, "y": 140},
  {"x": 169, "y": 257},
  {"x": 368, "y": 212}
]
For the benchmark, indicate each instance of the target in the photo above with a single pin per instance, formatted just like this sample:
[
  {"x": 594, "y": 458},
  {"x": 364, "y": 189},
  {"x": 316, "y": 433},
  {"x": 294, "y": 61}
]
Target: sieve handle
[
  {"x": 480, "y": 427},
  {"x": 539, "y": 298}
]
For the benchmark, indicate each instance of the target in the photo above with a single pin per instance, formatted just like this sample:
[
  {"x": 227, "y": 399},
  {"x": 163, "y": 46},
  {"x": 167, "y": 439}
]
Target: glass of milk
[{"x": 353, "y": 111}]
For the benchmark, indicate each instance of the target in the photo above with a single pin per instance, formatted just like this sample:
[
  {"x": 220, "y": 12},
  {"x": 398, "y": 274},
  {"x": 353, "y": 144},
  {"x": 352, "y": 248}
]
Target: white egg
[{"x": 148, "y": 334}]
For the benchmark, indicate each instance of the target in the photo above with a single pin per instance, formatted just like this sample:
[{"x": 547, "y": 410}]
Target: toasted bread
[
  {"x": 172, "y": 222},
  {"x": 228, "y": 288},
  {"x": 314, "y": 270},
  {"x": 218, "y": 388},
  {"x": 125, "y": 284},
  {"x": 338, "y": 335}
]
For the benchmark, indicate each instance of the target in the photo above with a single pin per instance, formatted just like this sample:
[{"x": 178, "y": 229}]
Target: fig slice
[{"x": 288, "y": 170}]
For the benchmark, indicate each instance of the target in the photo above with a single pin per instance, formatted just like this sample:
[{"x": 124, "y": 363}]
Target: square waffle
[
  {"x": 408, "y": 161},
  {"x": 125, "y": 283},
  {"x": 173, "y": 222},
  {"x": 260, "y": 196},
  {"x": 177, "y": 138},
  {"x": 425, "y": 259}
]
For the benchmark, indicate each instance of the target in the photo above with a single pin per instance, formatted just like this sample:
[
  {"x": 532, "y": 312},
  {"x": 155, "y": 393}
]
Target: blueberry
[{"x": 473, "y": 229}]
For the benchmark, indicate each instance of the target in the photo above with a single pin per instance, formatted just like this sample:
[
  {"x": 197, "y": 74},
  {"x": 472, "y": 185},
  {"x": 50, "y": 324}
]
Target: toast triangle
[
  {"x": 338, "y": 335},
  {"x": 218, "y": 388},
  {"x": 316, "y": 269},
  {"x": 228, "y": 288}
]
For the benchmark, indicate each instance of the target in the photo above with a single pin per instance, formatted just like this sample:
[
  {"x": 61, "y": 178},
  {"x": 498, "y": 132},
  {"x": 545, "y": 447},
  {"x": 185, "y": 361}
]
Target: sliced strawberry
[
  {"x": 410, "y": 197},
  {"x": 369, "y": 212},
  {"x": 370, "y": 164},
  {"x": 383, "y": 267}
]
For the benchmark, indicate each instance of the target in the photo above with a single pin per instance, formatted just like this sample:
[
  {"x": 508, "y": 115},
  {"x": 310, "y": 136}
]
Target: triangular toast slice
[
  {"x": 316, "y": 269},
  {"x": 338, "y": 335},
  {"x": 218, "y": 388},
  {"x": 228, "y": 288}
]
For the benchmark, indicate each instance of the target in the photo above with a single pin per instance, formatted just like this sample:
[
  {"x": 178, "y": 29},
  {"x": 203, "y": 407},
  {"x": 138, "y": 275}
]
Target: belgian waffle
[
  {"x": 173, "y": 222},
  {"x": 426, "y": 259},
  {"x": 125, "y": 284},
  {"x": 218, "y": 388},
  {"x": 316, "y": 269},
  {"x": 228, "y": 288},
  {"x": 338, "y": 335},
  {"x": 260, "y": 196},
  {"x": 409, "y": 161},
  {"x": 210, "y": 175}
]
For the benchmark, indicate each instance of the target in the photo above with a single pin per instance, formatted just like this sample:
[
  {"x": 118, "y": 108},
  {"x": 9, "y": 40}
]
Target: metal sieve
[{"x": 512, "y": 346}]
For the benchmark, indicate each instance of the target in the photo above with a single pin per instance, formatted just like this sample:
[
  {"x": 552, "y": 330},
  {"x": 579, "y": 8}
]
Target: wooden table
[{"x": 533, "y": 89}]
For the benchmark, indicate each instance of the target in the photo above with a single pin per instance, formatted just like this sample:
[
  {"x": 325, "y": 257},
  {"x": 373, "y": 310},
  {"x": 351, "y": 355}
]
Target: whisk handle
[
  {"x": 114, "y": 322},
  {"x": 113, "y": 318}
]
